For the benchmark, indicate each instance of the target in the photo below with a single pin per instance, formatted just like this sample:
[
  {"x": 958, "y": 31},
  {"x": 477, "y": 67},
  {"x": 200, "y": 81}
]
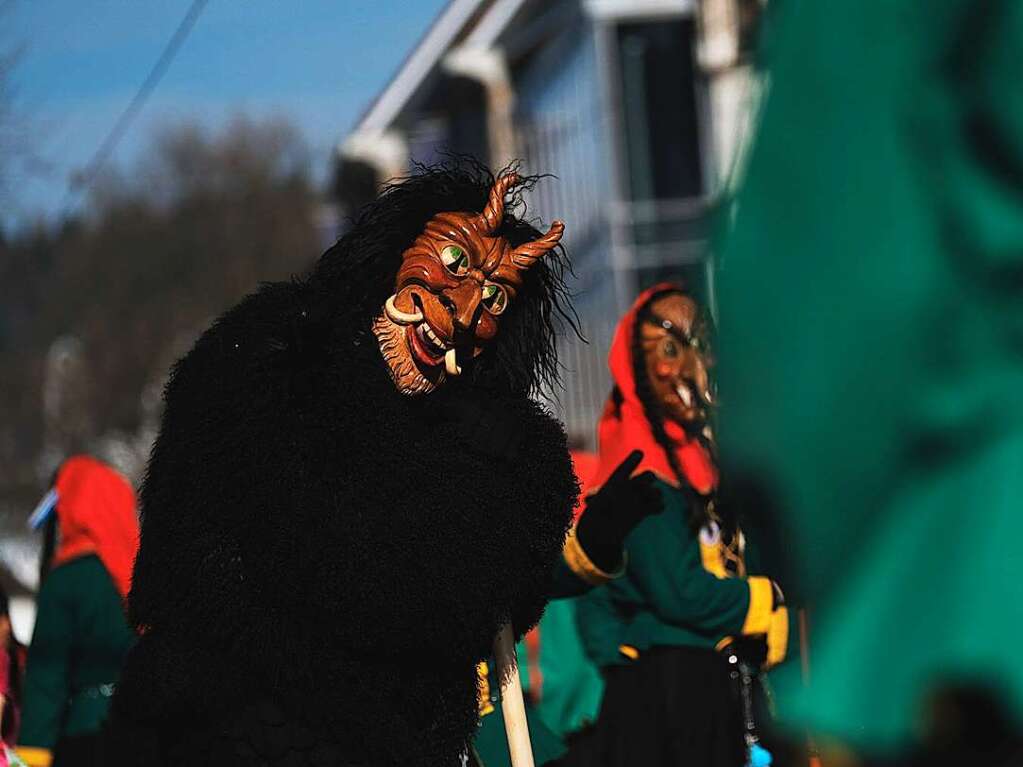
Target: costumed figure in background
[
  {"x": 12, "y": 667},
  {"x": 81, "y": 634},
  {"x": 672, "y": 632},
  {"x": 352, "y": 491}
]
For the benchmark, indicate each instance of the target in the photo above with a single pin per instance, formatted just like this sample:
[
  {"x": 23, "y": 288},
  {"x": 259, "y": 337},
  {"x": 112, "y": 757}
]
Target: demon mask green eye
[
  {"x": 495, "y": 299},
  {"x": 455, "y": 259}
]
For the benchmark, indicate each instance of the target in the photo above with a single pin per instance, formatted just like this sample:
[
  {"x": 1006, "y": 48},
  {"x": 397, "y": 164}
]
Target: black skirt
[
  {"x": 77, "y": 751},
  {"x": 672, "y": 707}
]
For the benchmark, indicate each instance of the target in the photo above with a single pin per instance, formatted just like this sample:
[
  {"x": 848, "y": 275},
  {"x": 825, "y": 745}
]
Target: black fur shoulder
[{"x": 319, "y": 531}]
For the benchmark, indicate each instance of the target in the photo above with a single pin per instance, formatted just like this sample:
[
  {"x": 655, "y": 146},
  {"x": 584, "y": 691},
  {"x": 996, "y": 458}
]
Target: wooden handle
[
  {"x": 814, "y": 755},
  {"x": 513, "y": 707}
]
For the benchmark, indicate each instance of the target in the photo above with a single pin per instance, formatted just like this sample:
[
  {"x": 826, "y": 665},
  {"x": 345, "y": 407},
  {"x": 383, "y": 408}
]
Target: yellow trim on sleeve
[
  {"x": 483, "y": 703},
  {"x": 761, "y": 595},
  {"x": 778, "y": 636},
  {"x": 580, "y": 564},
  {"x": 723, "y": 643},
  {"x": 629, "y": 651},
  {"x": 34, "y": 756},
  {"x": 711, "y": 559}
]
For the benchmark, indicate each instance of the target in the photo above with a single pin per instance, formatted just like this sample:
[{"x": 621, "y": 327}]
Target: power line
[{"x": 82, "y": 181}]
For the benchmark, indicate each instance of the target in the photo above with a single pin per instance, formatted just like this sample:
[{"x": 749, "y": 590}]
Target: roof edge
[{"x": 417, "y": 65}]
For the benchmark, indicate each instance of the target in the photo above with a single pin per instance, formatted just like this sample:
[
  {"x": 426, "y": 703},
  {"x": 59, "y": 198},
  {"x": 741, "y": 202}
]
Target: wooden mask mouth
[
  {"x": 411, "y": 373},
  {"x": 455, "y": 281}
]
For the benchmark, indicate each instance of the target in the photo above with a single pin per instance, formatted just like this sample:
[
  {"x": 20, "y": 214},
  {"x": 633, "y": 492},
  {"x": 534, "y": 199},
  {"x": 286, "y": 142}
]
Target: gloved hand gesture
[{"x": 612, "y": 512}]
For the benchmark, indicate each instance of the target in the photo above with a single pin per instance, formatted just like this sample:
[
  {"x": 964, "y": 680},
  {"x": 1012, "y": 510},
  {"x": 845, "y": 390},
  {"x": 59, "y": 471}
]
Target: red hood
[
  {"x": 96, "y": 515},
  {"x": 624, "y": 426},
  {"x": 584, "y": 464}
]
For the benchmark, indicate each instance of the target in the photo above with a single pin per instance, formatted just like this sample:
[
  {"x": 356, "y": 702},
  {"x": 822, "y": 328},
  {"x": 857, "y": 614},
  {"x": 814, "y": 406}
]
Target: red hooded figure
[
  {"x": 686, "y": 608},
  {"x": 81, "y": 634},
  {"x": 96, "y": 515}
]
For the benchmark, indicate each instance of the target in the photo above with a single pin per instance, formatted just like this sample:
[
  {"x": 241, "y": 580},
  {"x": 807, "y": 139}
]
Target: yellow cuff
[
  {"x": 778, "y": 637},
  {"x": 483, "y": 703},
  {"x": 710, "y": 557},
  {"x": 761, "y": 595},
  {"x": 33, "y": 756},
  {"x": 629, "y": 651},
  {"x": 582, "y": 565}
]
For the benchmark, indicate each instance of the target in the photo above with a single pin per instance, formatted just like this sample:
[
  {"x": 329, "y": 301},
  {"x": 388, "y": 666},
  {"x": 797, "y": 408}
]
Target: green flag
[{"x": 871, "y": 301}]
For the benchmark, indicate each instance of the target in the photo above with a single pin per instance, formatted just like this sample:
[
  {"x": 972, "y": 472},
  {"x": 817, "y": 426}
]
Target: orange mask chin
[{"x": 455, "y": 281}]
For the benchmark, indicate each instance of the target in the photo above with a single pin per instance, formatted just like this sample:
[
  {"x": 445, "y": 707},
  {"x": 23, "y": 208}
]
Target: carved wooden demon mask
[
  {"x": 455, "y": 281},
  {"x": 675, "y": 337}
]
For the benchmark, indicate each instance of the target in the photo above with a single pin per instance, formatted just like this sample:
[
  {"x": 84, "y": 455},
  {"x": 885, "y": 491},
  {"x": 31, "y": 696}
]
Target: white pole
[{"x": 512, "y": 704}]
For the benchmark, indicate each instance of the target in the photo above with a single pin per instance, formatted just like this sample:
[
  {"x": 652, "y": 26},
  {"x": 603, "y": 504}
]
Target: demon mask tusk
[
  {"x": 399, "y": 317},
  {"x": 451, "y": 363}
]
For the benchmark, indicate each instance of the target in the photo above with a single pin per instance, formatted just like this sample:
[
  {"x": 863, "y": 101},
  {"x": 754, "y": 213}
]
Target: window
[{"x": 659, "y": 111}]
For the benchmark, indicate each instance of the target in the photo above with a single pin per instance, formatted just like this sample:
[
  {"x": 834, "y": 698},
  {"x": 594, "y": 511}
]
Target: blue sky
[{"x": 317, "y": 62}]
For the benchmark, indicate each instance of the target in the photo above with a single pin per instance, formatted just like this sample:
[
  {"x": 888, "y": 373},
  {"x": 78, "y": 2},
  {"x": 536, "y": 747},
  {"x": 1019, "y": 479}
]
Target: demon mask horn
[{"x": 489, "y": 221}]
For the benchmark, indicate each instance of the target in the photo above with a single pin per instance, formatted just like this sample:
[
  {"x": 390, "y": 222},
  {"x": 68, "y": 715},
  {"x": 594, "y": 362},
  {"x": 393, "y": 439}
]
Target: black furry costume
[{"x": 324, "y": 560}]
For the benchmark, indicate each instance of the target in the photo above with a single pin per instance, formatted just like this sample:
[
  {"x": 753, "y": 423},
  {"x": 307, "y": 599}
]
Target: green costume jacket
[
  {"x": 80, "y": 640},
  {"x": 572, "y": 686},
  {"x": 675, "y": 592}
]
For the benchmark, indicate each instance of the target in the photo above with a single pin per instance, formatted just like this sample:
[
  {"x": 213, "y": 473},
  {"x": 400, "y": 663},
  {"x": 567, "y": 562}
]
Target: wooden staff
[
  {"x": 513, "y": 707},
  {"x": 814, "y": 755}
]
